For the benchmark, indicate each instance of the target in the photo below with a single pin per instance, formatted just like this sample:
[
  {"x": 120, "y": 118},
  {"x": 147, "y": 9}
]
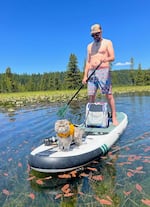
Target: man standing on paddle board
[{"x": 100, "y": 52}]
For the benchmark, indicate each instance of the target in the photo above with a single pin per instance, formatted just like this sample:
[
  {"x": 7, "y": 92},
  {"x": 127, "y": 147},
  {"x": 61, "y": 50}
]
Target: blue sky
[{"x": 38, "y": 36}]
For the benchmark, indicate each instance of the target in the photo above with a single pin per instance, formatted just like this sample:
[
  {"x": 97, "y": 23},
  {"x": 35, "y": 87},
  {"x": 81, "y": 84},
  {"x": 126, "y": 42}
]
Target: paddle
[{"x": 62, "y": 110}]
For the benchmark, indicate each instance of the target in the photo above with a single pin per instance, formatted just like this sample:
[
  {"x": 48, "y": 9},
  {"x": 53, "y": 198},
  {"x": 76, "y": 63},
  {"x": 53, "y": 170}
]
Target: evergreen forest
[{"x": 70, "y": 79}]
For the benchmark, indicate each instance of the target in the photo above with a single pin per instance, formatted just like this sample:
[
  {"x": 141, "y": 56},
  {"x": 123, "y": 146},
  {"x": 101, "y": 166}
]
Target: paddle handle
[{"x": 83, "y": 84}]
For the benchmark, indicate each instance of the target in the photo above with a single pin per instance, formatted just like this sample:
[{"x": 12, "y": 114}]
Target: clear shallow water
[{"x": 121, "y": 178}]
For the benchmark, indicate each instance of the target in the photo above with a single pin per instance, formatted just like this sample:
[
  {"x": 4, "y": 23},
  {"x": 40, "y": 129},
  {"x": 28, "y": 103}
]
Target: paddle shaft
[{"x": 83, "y": 84}]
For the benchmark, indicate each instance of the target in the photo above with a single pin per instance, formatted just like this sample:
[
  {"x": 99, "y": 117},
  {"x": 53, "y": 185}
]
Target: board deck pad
[{"x": 120, "y": 117}]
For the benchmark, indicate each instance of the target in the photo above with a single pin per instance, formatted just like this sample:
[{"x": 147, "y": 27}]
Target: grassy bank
[
  {"x": 37, "y": 97},
  {"x": 131, "y": 89}
]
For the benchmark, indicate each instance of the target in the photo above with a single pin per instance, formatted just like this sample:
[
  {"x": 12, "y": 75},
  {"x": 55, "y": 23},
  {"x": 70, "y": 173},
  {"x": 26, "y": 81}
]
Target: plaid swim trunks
[{"x": 100, "y": 79}]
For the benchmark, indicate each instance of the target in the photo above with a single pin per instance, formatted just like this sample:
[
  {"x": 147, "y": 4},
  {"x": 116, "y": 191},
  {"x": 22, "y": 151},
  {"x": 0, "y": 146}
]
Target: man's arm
[
  {"x": 87, "y": 66},
  {"x": 85, "y": 77},
  {"x": 110, "y": 49}
]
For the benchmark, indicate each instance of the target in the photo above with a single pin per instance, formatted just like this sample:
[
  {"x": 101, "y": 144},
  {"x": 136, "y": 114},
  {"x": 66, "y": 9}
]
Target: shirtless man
[{"x": 100, "y": 51}]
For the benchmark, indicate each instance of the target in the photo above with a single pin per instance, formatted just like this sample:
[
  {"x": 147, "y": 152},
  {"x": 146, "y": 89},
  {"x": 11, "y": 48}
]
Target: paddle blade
[{"x": 62, "y": 111}]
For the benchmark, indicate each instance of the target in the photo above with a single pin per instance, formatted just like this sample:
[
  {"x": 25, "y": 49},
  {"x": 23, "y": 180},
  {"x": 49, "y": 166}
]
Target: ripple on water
[{"x": 25, "y": 129}]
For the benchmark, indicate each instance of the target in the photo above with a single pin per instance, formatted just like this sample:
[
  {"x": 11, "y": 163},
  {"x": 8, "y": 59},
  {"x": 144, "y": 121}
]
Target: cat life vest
[
  {"x": 97, "y": 115},
  {"x": 69, "y": 133}
]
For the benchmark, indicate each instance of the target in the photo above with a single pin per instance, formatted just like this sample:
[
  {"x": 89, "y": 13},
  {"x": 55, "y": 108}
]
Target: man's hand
[
  {"x": 104, "y": 60},
  {"x": 84, "y": 80}
]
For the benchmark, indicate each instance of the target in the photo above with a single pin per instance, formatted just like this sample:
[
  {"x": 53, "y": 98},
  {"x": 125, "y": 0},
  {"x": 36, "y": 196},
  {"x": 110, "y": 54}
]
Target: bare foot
[{"x": 115, "y": 122}]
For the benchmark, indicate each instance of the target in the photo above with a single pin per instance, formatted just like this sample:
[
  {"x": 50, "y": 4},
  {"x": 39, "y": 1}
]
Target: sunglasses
[{"x": 96, "y": 34}]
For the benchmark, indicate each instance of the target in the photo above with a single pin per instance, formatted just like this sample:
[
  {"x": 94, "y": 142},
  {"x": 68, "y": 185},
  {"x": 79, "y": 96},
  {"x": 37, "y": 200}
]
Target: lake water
[{"x": 121, "y": 178}]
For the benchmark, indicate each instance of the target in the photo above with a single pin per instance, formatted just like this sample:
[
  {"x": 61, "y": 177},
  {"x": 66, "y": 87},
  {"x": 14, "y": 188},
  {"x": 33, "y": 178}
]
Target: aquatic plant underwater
[{"x": 118, "y": 179}]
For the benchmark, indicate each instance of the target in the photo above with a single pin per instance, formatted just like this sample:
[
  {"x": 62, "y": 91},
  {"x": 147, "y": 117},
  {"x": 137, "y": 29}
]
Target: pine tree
[
  {"x": 73, "y": 77},
  {"x": 140, "y": 76},
  {"x": 147, "y": 77},
  {"x": 132, "y": 64},
  {"x": 8, "y": 81},
  {"x": 132, "y": 72},
  {"x": 44, "y": 82}
]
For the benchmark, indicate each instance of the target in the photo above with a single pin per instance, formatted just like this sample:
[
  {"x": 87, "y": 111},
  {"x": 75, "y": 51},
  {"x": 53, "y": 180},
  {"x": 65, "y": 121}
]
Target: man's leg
[
  {"x": 91, "y": 98},
  {"x": 92, "y": 90},
  {"x": 111, "y": 102}
]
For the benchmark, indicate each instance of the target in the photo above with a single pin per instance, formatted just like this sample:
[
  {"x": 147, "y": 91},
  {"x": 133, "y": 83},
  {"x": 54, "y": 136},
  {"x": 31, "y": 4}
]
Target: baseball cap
[{"x": 95, "y": 28}]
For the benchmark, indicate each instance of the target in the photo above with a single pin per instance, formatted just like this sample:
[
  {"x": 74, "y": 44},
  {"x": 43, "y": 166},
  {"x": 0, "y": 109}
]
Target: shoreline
[{"x": 21, "y": 99}]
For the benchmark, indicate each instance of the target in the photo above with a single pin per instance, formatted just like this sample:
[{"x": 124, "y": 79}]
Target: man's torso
[{"x": 96, "y": 51}]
